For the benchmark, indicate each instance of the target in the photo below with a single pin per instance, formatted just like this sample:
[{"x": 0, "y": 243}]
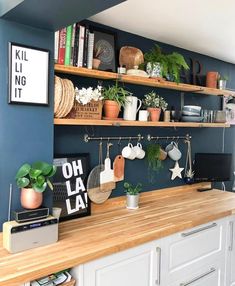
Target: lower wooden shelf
[{"x": 62, "y": 121}]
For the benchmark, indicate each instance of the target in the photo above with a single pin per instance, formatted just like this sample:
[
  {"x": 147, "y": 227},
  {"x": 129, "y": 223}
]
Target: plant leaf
[
  {"x": 23, "y": 171},
  {"x": 52, "y": 172},
  {"x": 34, "y": 173},
  {"x": 43, "y": 166},
  {"x": 22, "y": 182},
  {"x": 38, "y": 188},
  {"x": 40, "y": 180},
  {"x": 50, "y": 184}
]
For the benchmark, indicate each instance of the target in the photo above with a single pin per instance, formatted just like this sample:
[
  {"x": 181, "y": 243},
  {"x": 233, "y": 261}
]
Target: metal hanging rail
[
  {"x": 88, "y": 138},
  {"x": 186, "y": 137}
]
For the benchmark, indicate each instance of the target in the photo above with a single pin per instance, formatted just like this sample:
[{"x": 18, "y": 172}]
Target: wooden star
[{"x": 176, "y": 171}]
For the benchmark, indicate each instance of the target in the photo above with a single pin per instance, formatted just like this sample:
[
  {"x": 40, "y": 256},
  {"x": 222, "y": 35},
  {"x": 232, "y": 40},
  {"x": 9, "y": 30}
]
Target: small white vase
[{"x": 132, "y": 201}]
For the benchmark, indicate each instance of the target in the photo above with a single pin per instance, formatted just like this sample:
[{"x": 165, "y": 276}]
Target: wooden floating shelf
[
  {"x": 117, "y": 123},
  {"x": 141, "y": 80}
]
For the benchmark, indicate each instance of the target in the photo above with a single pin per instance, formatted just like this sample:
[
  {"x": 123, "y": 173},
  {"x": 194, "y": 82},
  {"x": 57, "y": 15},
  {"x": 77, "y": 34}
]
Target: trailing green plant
[
  {"x": 153, "y": 159},
  {"x": 175, "y": 64},
  {"x": 131, "y": 189},
  {"x": 152, "y": 99},
  {"x": 35, "y": 176},
  {"x": 116, "y": 93},
  {"x": 155, "y": 55}
]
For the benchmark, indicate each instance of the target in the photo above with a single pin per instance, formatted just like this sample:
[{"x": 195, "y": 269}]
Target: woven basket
[
  {"x": 92, "y": 110},
  {"x": 70, "y": 283}
]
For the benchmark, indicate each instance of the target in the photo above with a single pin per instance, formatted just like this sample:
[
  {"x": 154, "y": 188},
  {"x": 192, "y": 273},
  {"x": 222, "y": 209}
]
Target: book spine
[
  {"x": 62, "y": 42},
  {"x": 56, "y": 46},
  {"x": 68, "y": 45},
  {"x": 76, "y": 41},
  {"x": 81, "y": 46},
  {"x": 85, "y": 53},
  {"x": 90, "y": 50},
  {"x": 72, "y": 44}
]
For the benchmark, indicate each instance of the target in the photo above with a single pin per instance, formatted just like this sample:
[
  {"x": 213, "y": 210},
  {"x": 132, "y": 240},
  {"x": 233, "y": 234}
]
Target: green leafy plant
[
  {"x": 35, "y": 176},
  {"x": 116, "y": 93},
  {"x": 152, "y": 99},
  {"x": 155, "y": 55},
  {"x": 175, "y": 64},
  {"x": 131, "y": 189},
  {"x": 223, "y": 77},
  {"x": 153, "y": 157}
]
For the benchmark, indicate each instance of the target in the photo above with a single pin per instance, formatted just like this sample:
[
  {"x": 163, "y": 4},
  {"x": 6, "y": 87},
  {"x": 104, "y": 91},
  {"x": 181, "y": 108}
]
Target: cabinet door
[
  {"x": 208, "y": 275},
  {"x": 230, "y": 262},
  {"x": 137, "y": 266}
]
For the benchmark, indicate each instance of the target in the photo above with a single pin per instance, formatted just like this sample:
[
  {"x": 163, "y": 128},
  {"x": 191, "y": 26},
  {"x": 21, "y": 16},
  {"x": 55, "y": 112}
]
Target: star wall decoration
[{"x": 176, "y": 171}]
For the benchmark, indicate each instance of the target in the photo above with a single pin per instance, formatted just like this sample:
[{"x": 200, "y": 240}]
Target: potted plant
[
  {"x": 154, "y": 155},
  {"x": 222, "y": 81},
  {"x": 154, "y": 104},
  {"x": 156, "y": 62},
  {"x": 114, "y": 99},
  {"x": 33, "y": 181},
  {"x": 132, "y": 195},
  {"x": 97, "y": 52},
  {"x": 175, "y": 63}
]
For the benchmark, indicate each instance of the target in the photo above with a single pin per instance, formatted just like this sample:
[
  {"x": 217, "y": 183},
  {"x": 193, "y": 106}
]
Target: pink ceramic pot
[{"x": 30, "y": 199}]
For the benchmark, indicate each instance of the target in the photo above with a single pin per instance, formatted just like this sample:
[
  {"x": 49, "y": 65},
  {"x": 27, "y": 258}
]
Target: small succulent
[
  {"x": 152, "y": 99},
  {"x": 131, "y": 189}
]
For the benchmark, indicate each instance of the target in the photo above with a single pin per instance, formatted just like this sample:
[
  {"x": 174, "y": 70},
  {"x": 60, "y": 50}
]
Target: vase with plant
[
  {"x": 33, "y": 181},
  {"x": 154, "y": 104},
  {"x": 115, "y": 97},
  {"x": 175, "y": 64},
  {"x": 97, "y": 52},
  {"x": 154, "y": 156},
  {"x": 156, "y": 62},
  {"x": 222, "y": 81},
  {"x": 132, "y": 195}
]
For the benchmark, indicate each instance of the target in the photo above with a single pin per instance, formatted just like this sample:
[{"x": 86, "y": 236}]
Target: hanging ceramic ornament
[{"x": 176, "y": 171}]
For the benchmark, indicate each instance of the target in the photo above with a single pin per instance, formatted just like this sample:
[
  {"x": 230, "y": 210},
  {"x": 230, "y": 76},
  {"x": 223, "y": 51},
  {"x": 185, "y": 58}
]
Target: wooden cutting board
[{"x": 118, "y": 168}]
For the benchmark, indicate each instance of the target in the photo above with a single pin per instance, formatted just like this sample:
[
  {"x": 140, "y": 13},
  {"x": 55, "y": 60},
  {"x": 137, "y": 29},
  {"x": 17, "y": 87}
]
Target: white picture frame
[{"x": 28, "y": 75}]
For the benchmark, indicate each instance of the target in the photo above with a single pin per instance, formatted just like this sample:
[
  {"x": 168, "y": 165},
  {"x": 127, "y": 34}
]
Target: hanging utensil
[
  {"x": 119, "y": 165},
  {"x": 93, "y": 182},
  {"x": 107, "y": 175}
]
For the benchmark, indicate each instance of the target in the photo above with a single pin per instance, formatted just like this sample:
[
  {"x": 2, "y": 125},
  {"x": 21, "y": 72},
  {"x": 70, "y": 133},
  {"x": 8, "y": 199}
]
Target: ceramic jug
[{"x": 130, "y": 108}]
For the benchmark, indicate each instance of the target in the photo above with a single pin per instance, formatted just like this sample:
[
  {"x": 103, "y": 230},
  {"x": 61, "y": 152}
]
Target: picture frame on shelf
[
  {"x": 70, "y": 192},
  {"x": 28, "y": 75},
  {"x": 106, "y": 42}
]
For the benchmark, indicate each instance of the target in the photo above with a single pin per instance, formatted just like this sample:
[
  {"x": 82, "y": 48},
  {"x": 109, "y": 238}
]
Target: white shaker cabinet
[
  {"x": 138, "y": 266},
  {"x": 230, "y": 252}
]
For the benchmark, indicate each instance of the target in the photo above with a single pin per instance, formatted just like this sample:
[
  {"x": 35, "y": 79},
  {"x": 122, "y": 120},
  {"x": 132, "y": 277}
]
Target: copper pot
[
  {"x": 30, "y": 199},
  {"x": 211, "y": 79}
]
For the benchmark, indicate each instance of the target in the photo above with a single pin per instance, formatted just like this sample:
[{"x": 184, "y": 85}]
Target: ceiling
[{"x": 203, "y": 26}]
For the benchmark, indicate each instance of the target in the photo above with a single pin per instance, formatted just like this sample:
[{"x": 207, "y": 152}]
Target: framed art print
[
  {"x": 105, "y": 43},
  {"x": 28, "y": 75},
  {"x": 70, "y": 193}
]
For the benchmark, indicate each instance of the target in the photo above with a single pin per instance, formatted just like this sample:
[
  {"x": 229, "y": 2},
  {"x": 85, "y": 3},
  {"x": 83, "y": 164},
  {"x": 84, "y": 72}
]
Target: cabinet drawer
[
  {"x": 194, "y": 245},
  {"x": 207, "y": 275}
]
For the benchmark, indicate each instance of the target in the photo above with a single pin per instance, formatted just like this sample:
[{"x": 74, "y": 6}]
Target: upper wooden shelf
[
  {"x": 141, "y": 80},
  {"x": 64, "y": 121}
]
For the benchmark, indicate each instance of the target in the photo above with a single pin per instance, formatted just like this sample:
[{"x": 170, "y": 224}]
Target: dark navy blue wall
[
  {"x": 26, "y": 131},
  {"x": 70, "y": 139}
]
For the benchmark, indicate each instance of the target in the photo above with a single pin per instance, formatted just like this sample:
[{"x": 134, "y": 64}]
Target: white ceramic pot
[
  {"x": 132, "y": 201},
  {"x": 154, "y": 69}
]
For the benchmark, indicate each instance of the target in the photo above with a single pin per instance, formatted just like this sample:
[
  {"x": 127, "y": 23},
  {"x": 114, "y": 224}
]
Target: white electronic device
[{"x": 22, "y": 236}]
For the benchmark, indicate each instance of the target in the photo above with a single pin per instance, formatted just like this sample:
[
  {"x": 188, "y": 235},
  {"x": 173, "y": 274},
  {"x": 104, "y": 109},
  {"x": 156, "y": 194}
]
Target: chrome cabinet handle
[
  {"x": 159, "y": 252},
  {"x": 184, "y": 234},
  {"x": 198, "y": 277},
  {"x": 231, "y": 236}
]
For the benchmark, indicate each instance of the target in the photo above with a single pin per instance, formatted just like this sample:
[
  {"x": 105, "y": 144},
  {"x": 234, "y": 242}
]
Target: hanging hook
[
  {"x": 129, "y": 140},
  {"x": 119, "y": 141}
]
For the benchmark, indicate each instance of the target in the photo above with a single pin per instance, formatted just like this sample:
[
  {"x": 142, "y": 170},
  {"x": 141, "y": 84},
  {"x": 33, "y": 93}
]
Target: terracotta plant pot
[
  {"x": 211, "y": 79},
  {"x": 30, "y": 199},
  {"x": 96, "y": 63},
  {"x": 154, "y": 113},
  {"x": 111, "y": 109}
]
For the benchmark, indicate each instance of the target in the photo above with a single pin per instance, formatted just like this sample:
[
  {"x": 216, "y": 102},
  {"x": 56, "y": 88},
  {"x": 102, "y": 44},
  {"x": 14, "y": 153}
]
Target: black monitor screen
[{"x": 212, "y": 167}]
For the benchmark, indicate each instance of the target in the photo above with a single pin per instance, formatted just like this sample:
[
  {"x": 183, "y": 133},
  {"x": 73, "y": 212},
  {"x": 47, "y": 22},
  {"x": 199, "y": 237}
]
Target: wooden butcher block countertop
[{"x": 113, "y": 228}]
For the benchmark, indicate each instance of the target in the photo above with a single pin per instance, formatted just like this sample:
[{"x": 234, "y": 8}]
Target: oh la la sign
[{"x": 28, "y": 75}]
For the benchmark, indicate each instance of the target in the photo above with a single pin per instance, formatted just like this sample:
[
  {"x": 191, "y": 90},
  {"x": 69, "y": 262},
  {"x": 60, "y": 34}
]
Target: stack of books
[{"x": 74, "y": 46}]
